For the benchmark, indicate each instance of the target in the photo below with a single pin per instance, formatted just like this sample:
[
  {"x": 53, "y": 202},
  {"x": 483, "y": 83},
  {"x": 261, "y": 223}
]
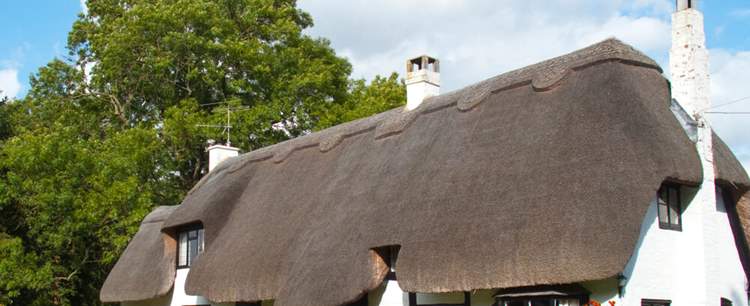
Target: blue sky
[{"x": 474, "y": 39}]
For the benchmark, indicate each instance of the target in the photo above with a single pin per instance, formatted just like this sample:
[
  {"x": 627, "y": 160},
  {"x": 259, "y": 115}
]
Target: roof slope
[
  {"x": 476, "y": 186},
  {"x": 147, "y": 267}
]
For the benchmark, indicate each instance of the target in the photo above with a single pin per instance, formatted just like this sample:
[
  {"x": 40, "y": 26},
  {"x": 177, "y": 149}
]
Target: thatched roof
[
  {"x": 539, "y": 176},
  {"x": 147, "y": 267}
]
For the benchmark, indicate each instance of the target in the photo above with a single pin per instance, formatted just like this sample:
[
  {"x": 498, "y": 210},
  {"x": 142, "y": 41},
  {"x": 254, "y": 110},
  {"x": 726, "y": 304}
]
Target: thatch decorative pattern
[{"x": 146, "y": 269}]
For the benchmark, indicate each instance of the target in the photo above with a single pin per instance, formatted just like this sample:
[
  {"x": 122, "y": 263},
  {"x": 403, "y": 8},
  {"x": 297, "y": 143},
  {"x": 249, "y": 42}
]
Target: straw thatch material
[
  {"x": 147, "y": 267},
  {"x": 539, "y": 176}
]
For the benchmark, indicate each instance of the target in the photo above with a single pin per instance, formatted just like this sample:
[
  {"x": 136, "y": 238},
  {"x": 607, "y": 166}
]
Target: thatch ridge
[
  {"x": 146, "y": 269},
  {"x": 543, "y": 76}
]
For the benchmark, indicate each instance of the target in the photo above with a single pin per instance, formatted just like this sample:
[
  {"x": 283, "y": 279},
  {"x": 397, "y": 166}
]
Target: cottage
[{"x": 584, "y": 177}]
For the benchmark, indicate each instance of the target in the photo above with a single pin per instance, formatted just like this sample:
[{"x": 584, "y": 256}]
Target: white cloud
[
  {"x": 730, "y": 76},
  {"x": 480, "y": 38},
  {"x": 9, "y": 84},
  {"x": 741, "y": 13},
  {"x": 84, "y": 7}
]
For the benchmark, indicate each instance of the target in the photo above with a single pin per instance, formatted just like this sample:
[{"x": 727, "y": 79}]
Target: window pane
[
  {"x": 663, "y": 214},
  {"x": 182, "y": 258},
  {"x": 568, "y": 302},
  {"x": 200, "y": 241},
  {"x": 541, "y": 303},
  {"x": 193, "y": 249},
  {"x": 193, "y": 234},
  {"x": 674, "y": 206}
]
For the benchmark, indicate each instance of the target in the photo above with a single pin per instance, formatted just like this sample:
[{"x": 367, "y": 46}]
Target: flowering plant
[{"x": 596, "y": 303}]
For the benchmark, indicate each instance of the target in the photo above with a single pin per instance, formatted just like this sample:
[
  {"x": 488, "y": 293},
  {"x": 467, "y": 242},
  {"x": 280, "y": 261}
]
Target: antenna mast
[{"x": 226, "y": 129}]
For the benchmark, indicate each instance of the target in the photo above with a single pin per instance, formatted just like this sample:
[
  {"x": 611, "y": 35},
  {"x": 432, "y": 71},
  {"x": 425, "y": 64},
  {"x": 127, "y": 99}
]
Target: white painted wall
[
  {"x": 179, "y": 297},
  {"x": 676, "y": 266}
]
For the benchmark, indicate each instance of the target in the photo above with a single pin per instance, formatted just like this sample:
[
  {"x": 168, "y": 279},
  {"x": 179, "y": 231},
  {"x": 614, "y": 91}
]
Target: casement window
[
  {"x": 670, "y": 207},
  {"x": 652, "y": 302},
  {"x": 544, "y": 295},
  {"x": 190, "y": 245},
  {"x": 725, "y": 302},
  {"x": 543, "y": 301},
  {"x": 464, "y": 301}
]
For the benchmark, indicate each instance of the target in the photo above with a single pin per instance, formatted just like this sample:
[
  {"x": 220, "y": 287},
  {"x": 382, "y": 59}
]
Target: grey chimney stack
[{"x": 422, "y": 80}]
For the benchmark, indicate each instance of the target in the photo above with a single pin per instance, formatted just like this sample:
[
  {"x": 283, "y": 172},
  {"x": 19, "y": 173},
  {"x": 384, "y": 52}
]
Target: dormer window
[
  {"x": 189, "y": 247},
  {"x": 669, "y": 204}
]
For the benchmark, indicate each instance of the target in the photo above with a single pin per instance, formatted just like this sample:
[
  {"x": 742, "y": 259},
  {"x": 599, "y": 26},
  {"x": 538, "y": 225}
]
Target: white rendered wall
[
  {"x": 179, "y": 297},
  {"x": 674, "y": 265}
]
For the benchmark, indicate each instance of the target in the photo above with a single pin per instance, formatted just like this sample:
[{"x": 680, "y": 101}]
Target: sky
[{"x": 473, "y": 39}]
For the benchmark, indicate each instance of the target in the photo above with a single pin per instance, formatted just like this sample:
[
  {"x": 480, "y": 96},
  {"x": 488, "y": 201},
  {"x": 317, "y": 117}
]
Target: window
[
  {"x": 543, "y": 295},
  {"x": 669, "y": 207},
  {"x": 650, "y": 302},
  {"x": 465, "y": 301},
  {"x": 543, "y": 301},
  {"x": 725, "y": 302},
  {"x": 189, "y": 247}
]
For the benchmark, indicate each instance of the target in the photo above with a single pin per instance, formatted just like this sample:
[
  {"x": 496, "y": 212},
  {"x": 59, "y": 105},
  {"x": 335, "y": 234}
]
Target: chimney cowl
[{"x": 422, "y": 80}]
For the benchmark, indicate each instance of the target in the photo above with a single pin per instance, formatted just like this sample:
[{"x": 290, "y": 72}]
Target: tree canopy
[{"x": 112, "y": 131}]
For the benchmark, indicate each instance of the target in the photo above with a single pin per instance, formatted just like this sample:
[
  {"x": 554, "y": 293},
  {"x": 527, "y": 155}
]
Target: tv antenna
[{"x": 226, "y": 128}]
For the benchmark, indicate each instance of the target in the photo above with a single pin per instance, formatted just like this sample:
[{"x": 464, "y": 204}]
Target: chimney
[
  {"x": 218, "y": 153},
  {"x": 690, "y": 80},
  {"x": 688, "y": 59},
  {"x": 686, "y": 4},
  {"x": 422, "y": 80}
]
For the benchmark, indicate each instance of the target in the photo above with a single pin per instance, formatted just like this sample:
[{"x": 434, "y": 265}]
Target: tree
[
  {"x": 103, "y": 138},
  {"x": 151, "y": 56}
]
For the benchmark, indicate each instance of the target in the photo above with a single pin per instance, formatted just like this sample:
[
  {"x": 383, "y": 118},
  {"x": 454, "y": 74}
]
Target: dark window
[
  {"x": 543, "y": 301},
  {"x": 466, "y": 302},
  {"x": 190, "y": 245},
  {"x": 726, "y": 302},
  {"x": 651, "y": 302},
  {"x": 670, "y": 207}
]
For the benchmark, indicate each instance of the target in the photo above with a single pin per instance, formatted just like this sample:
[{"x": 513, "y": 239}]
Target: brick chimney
[{"x": 422, "y": 80}]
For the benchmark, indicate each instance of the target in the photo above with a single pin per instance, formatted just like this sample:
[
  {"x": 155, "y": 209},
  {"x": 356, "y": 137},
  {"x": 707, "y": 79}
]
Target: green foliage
[
  {"x": 380, "y": 95},
  {"x": 99, "y": 142}
]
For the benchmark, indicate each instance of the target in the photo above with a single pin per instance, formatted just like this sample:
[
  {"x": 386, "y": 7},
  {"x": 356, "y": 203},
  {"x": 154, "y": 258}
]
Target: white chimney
[
  {"x": 422, "y": 80},
  {"x": 688, "y": 59},
  {"x": 218, "y": 153},
  {"x": 690, "y": 80}
]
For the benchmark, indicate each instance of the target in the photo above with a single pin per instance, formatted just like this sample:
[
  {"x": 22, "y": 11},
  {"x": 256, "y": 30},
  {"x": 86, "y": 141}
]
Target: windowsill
[{"x": 670, "y": 227}]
